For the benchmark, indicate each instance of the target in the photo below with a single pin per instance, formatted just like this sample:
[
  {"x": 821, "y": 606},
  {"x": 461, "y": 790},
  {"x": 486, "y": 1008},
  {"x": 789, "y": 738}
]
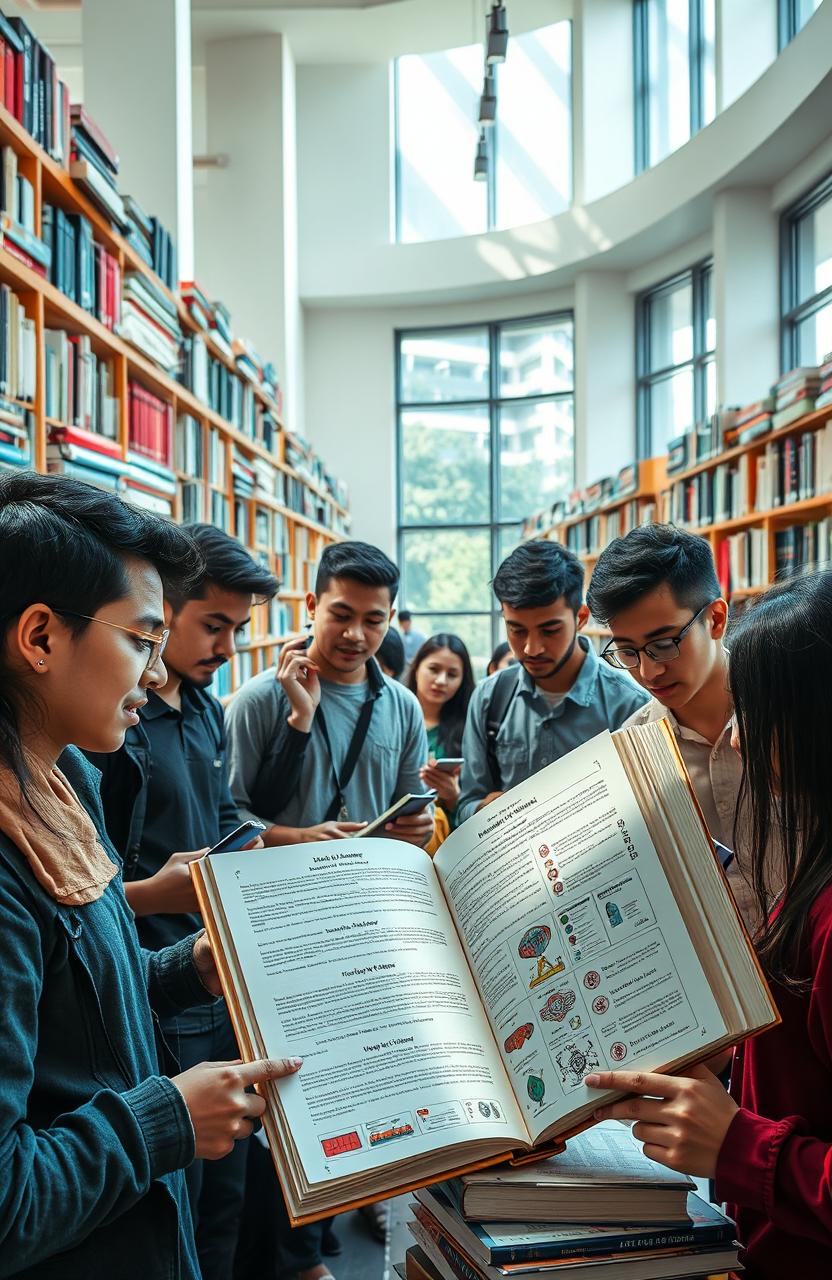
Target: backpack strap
[{"x": 505, "y": 687}]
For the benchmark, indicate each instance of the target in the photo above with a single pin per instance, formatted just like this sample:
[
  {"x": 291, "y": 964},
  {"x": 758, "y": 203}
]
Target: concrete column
[
  {"x": 746, "y": 43},
  {"x": 602, "y": 97},
  {"x": 246, "y": 213},
  {"x": 605, "y": 431},
  {"x": 137, "y": 86},
  {"x": 746, "y": 294}
]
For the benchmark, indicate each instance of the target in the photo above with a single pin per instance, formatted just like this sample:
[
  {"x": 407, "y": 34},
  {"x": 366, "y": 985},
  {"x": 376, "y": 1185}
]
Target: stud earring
[{"x": 41, "y": 662}]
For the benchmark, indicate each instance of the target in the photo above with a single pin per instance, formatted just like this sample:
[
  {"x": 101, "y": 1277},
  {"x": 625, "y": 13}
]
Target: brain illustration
[
  {"x": 557, "y": 1006},
  {"x": 534, "y": 941},
  {"x": 518, "y": 1037}
]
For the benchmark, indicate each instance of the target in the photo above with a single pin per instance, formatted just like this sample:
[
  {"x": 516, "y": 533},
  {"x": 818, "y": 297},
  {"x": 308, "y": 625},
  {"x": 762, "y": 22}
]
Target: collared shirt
[{"x": 533, "y": 734}]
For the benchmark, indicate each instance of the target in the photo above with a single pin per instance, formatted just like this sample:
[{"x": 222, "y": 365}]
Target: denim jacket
[{"x": 92, "y": 1138}]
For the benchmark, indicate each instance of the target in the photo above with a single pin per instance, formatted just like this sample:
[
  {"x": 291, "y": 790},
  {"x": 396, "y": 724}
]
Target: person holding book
[
  {"x": 165, "y": 789},
  {"x": 557, "y": 696},
  {"x": 94, "y": 1136},
  {"x": 442, "y": 680},
  {"x": 657, "y": 590},
  {"x": 768, "y": 1144}
]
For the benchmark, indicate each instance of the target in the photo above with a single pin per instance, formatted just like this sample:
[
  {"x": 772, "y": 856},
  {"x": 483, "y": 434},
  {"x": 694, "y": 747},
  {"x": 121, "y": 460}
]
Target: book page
[
  {"x": 351, "y": 961},
  {"x": 580, "y": 953}
]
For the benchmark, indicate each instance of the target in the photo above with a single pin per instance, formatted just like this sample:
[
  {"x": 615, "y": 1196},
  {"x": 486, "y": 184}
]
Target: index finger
[
  {"x": 649, "y": 1084},
  {"x": 267, "y": 1069}
]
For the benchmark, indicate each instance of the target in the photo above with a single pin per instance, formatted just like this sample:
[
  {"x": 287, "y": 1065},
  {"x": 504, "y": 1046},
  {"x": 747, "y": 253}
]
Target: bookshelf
[{"x": 262, "y": 484}]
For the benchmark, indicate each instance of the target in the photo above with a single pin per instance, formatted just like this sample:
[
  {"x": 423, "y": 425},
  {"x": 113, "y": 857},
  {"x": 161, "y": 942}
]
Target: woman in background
[
  {"x": 442, "y": 679},
  {"x": 501, "y": 657}
]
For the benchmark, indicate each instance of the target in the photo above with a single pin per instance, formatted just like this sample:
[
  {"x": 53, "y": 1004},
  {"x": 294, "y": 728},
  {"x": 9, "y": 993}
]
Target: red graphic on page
[
  {"x": 340, "y": 1145},
  {"x": 618, "y": 1051},
  {"x": 592, "y": 979},
  {"x": 600, "y": 1004}
]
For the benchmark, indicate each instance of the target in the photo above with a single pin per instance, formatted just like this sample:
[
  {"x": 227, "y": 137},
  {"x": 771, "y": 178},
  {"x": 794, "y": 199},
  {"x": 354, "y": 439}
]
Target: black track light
[
  {"x": 481, "y": 161},
  {"x": 488, "y": 101},
  {"x": 497, "y": 35}
]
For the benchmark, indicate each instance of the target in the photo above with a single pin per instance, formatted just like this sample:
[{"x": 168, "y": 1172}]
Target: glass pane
[
  {"x": 536, "y": 456},
  {"x": 708, "y": 306},
  {"x": 536, "y": 357},
  {"x": 474, "y": 632},
  {"x": 447, "y": 567},
  {"x": 814, "y": 337},
  {"x": 437, "y": 109},
  {"x": 534, "y": 126},
  {"x": 710, "y": 388},
  {"x": 668, "y": 69},
  {"x": 814, "y": 252},
  {"x": 671, "y": 327},
  {"x": 671, "y": 409},
  {"x": 708, "y": 61},
  {"x": 445, "y": 466},
  {"x": 451, "y": 364},
  {"x": 508, "y": 539},
  {"x": 804, "y": 10}
]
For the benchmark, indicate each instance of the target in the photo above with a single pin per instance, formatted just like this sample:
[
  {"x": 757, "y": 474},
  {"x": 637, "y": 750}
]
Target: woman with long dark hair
[
  {"x": 93, "y": 1135},
  {"x": 769, "y": 1143},
  {"x": 443, "y": 681}
]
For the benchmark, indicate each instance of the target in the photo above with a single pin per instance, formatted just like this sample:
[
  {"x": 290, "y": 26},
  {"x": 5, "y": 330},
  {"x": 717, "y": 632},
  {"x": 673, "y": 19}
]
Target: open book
[{"x": 448, "y": 1011}]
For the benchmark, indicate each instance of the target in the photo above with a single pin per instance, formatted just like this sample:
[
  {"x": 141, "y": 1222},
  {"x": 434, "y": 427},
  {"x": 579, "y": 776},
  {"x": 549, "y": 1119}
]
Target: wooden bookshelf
[{"x": 305, "y": 536}]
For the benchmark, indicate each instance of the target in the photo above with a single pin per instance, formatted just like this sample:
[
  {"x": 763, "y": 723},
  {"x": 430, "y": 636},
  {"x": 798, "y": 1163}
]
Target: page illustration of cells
[{"x": 537, "y": 955}]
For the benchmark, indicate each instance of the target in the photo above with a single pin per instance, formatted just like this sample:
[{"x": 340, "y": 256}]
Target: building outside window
[
  {"x": 806, "y": 275},
  {"x": 792, "y": 17},
  {"x": 674, "y": 60},
  {"x": 675, "y": 358},
  {"x": 485, "y": 437},
  {"x": 530, "y": 161}
]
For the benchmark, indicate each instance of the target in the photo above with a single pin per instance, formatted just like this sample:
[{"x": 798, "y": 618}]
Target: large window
[
  {"x": 807, "y": 279},
  {"x": 675, "y": 358},
  {"x": 485, "y": 436},
  {"x": 674, "y": 47},
  {"x": 792, "y": 16},
  {"x": 530, "y": 162}
]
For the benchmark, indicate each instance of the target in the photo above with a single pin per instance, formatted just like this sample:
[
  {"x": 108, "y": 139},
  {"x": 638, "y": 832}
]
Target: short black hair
[
  {"x": 648, "y": 557},
  {"x": 228, "y": 565},
  {"x": 390, "y": 653},
  {"x": 359, "y": 562},
  {"x": 405, "y": 615},
  {"x": 538, "y": 573}
]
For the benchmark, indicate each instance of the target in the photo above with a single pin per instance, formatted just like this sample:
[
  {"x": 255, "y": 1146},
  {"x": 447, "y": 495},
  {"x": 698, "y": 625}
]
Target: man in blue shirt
[{"x": 557, "y": 696}]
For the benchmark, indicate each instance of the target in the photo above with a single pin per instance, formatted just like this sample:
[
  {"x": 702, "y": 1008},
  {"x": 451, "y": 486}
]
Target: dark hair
[
  {"x": 538, "y": 573},
  {"x": 649, "y": 557},
  {"x": 63, "y": 544},
  {"x": 390, "y": 653},
  {"x": 780, "y": 655},
  {"x": 453, "y": 713},
  {"x": 497, "y": 656},
  {"x": 405, "y": 615},
  {"x": 359, "y": 562},
  {"x": 228, "y": 565}
]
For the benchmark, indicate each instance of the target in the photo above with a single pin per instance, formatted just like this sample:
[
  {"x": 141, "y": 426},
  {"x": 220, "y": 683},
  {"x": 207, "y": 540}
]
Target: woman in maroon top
[{"x": 768, "y": 1144}]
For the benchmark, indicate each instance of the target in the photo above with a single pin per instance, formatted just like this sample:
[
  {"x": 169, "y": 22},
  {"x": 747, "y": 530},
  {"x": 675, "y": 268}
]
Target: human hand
[
  {"x": 170, "y": 891},
  {"x": 329, "y": 831},
  {"x": 256, "y": 843},
  {"x": 682, "y": 1120},
  {"x": 444, "y": 782},
  {"x": 298, "y": 677},
  {"x": 205, "y": 965},
  {"x": 492, "y": 795},
  {"x": 221, "y": 1111},
  {"x": 416, "y": 828}
]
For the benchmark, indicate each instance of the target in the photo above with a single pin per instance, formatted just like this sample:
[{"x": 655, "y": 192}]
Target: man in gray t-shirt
[{"x": 325, "y": 743}]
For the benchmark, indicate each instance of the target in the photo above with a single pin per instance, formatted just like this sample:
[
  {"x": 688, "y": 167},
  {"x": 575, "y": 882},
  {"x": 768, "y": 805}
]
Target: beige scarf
[{"x": 60, "y": 841}]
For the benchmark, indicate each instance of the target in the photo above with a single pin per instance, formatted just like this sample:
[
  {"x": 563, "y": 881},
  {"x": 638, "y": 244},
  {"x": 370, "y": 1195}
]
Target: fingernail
[
  {"x": 296, "y": 1062},
  {"x": 592, "y": 1081}
]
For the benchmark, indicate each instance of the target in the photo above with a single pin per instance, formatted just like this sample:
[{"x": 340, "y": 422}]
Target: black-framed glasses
[
  {"x": 155, "y": 644},
  {"x": 665, "y": 649}
]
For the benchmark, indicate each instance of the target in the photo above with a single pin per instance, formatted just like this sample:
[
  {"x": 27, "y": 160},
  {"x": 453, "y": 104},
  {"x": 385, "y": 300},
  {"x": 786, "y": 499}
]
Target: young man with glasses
[
  {"x": 658, "y": 592},
  {"x": 167, "y": 789}
]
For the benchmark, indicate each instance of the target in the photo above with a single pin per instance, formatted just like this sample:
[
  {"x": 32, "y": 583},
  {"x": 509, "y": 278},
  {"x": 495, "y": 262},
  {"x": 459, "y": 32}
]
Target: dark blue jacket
[{"x": 92, "y": 1138}]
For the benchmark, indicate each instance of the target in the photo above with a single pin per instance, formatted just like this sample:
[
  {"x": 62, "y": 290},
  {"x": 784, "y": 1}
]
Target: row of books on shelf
[
  {"x": 30, "y": 89},
  {"x": 744, "y": 559},
  {"x": 302, "y": 458},
  {"x": 213, "y": 319},
  {"x": 18, "y": 348},
  {"x": 599, "y": 494},
  {"x": 589, "y": 537},
  {"x": 15, "y": 435},
  {"x": 78, "y": 384}
]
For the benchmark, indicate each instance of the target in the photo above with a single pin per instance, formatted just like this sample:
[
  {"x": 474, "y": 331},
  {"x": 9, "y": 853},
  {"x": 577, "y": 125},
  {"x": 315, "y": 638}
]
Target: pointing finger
[
  {"x": 649, "y": 1083},
  {"x": 267, "y": 1069}
]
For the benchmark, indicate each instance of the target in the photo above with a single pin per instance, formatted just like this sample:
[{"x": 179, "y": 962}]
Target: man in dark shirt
[{"x": 167, "y": 789}]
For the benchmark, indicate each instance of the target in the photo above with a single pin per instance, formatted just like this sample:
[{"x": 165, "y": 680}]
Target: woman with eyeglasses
[
  {"x": 768, "y": 1143},
  {"x": 93, "y": 1135}
]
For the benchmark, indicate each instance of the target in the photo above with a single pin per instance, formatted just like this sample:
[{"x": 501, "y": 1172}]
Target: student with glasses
[
  {"x": 658, "y": 592},
  {"x": 94, "y": 1135}
]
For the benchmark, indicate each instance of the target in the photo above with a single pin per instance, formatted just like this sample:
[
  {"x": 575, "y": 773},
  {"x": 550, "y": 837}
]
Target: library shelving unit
[
  {"x": 765, "y": 507},
  {"x": 285, "y": 516}
]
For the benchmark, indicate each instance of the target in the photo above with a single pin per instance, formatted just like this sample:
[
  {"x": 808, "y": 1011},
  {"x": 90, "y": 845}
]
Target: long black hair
[
  {"x": 62, "y": 544},
  {"x": 453, "y": 713},
  {"x": 781, "y": 651}
]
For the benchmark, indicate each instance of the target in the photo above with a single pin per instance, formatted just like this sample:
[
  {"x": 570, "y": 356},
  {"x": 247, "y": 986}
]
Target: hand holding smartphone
[
  {"x": 239, "y": 837},
  {"x": 403, "y": 808},
  {"x": 449, "y": 764}
]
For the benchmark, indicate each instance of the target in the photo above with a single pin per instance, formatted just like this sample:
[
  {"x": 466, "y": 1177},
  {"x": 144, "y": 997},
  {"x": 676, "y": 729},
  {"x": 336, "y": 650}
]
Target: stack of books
[
  {"x": 600, "y": 1208},
  {"x": 86, "y": 455},
  {"x": 78, "y": 384},
  {"x": 94, "y": 166},
  {"x": 794, "y": 395},
  {"x": 30, "y": 89},
  {"x": 15, "y": 435},
  {"x": 751, "y": 421},
  {"x": 825, "y": 374},
  {"x": 150, "y": 321},
  {"x": 196, "y": 303}
]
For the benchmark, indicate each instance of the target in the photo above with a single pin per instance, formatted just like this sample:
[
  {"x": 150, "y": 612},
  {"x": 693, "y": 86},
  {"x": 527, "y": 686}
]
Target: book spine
[{"x": 707, "y": 1236}]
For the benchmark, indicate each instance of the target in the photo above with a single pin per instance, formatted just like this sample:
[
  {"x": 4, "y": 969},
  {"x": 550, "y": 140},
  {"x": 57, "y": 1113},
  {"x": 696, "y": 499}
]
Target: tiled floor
[{"x": 363, "y": 1258}]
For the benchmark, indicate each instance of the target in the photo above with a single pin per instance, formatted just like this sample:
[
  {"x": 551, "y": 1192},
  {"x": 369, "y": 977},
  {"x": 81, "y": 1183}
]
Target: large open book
[{"x": 448, "y": 1011}]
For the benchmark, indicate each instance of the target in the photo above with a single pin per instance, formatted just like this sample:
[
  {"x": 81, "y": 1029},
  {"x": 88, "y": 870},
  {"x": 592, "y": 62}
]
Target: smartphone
[
  {"x": 238, "y": 837},
  {"x": 725, "y": 855},
  {"x": 449, "y": 763},
  {"x": 403, "y": 807}
]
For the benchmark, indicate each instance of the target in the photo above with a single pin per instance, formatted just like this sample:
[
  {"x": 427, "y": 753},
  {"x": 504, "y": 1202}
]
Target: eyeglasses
[
  {"x": 663, "y": 650},
  {"x": 155, "y": 644}
]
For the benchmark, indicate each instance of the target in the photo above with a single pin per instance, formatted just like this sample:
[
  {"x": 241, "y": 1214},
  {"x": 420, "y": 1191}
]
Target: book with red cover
[
  {"x": 79, "y": 116},
  {"x": 18, "y": 253},
  {"x": 86, "y": 440}
]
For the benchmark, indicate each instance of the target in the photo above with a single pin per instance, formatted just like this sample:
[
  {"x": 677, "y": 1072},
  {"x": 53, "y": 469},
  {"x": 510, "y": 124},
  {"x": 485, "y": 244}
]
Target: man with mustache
[{"x": 167, "y": 788}]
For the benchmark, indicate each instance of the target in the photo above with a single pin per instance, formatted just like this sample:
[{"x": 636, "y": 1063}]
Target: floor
[{"x": 362, "y": 1257}]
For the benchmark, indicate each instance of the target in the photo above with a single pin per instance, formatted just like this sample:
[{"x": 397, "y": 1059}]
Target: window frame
[
  {"x": 787, "y": 23},
  {"x": 493, "y": 404},
  {"x": 793, "y": 312},
  {"x": 697, "y": 276},
  {"x": 641, "y": 77}
]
